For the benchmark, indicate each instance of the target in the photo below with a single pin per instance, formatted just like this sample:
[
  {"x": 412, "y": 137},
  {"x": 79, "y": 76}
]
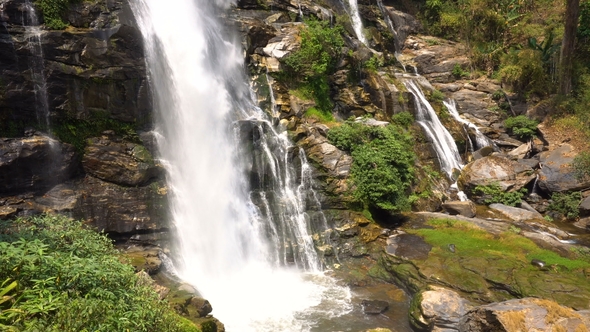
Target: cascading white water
[
  {"x": 355, "y": 17},
  {"x": 33, "y": 35},
  {"x": 481, "y": 140},
  {"x": 234, "y": 251},
  {"x": 442, "y": 141}
]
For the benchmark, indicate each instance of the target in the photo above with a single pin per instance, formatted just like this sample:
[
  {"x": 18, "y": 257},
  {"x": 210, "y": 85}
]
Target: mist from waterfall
[{"x": 237, "y": 203}]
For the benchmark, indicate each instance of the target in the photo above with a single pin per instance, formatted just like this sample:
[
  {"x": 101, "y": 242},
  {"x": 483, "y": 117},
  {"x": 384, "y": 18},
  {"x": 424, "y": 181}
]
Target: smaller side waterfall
[
  {"x": 442, "y": 141},
  {"x": 33, "y": 36},
  {"x": 481, "y": 140},
  {"x": 355, "y": 17}
]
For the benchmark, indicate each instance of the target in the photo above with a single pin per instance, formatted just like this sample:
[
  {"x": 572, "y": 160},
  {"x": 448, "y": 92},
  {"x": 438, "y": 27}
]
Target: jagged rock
[
  {"x": 7, "y": 212},
  {"x": 126, "y": 164},
  {"x": 520, "y": 152},
  {"x": 124, "y": 210},
  {"x": 528, "y": 314},
  {"x": 284, "y": 43},
  {"x": 61, "y": 198},
  {"x": 516, "y": 214},
  {"x": 404, "y": 25},
  {"x": 483, "y": 152},
  {"x": 34, "y": 163},
  {"x": 374, "y": 307},
  {"x": 509, "y": 174},
  {"x": 145, "y": 279},
  {"x": 475, "y": 103},
  {"x": 466, "y": 208},
  {"x": 556, "y": 173},
  {"x": 438, "y": 309}
]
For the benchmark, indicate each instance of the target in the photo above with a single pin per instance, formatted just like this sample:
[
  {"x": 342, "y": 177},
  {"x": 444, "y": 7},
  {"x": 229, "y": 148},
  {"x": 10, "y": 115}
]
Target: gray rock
[
  {"x": 556, "y": 173},
  {"x": 407, "y": 246},
  {"x": 585, "y": 207},
  {"x": 516, "y": 214},
  {"x": 374, "y": 307},
  {"x": 528, "y": 314},
  {"x": 509, "y": 174},
  {"x": 466, "y": 208}
]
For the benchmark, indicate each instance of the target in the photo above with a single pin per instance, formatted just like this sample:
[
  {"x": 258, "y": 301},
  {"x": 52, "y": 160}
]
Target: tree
[{"x": 572, "y": 13}]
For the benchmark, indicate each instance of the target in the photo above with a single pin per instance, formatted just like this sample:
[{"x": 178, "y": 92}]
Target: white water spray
[
  {"x": 481, "y": 140},
  {"x": 355, "y": 17},
  {"x": 232, "y": 250}
]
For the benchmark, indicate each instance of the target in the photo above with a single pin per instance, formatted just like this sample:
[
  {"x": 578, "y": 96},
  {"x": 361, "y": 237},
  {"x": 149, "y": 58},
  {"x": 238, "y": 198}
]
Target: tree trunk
[{"x": 572, "y": 13}]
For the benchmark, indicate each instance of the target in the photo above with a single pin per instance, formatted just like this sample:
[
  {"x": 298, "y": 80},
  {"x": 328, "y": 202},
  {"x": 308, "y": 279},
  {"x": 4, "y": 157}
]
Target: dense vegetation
[
  {"x": 383, "y": 163},
  {"x": 58, "y": 276},
  {"x": 494, "y": 193},
  {"x": 54, "y": 12}
]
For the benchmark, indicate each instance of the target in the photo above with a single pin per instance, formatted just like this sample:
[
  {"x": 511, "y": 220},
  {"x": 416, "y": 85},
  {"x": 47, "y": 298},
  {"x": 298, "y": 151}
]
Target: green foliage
[
  {"x": 404, "y": 119},
  {"x": 77, "y": 131},
  {"x": 495, "y": 194},
  {"x": 526, "y": 72},
  {"x": 320, "y": 50},
  {"x": 383, "y": 163},
  {"x": 521, "y": 126},
  {"x": 458, "y": 72},
  {"x": 581, "y": 165},
  {"x": 54, "y": 12},
  {"x": 374, "y": 63},
  {"x": 566, "y": 204},
  {"x": 322, "y": 116},
  {"x": 70, "y": 279}
]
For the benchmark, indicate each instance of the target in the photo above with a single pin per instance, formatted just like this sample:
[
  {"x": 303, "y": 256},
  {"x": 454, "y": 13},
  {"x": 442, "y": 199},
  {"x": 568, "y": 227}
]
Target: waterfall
[
  {"x": 33, "y": 36},
  {"x": 238, "y": 205},
  {"x": 442, "y": 141},
  {"x": 355, "y": 17},
  {"x": 481, "y": 140}
]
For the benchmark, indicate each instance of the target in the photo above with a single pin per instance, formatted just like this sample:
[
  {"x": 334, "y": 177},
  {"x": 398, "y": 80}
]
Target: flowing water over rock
[
  {"x": 355, "y": 17},
  {"x": 481, "y": 140},
  {"x": 250, "y": 253}
]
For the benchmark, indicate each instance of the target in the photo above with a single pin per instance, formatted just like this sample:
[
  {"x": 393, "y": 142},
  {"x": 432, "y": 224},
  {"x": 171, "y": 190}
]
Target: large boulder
[
  {"x": 585, "y": 207},
  {"x": 123, "y": 163},
  {"x": 509, "y": 174},
  {"x": 34, "y": 163},
  {"x": 438, "y": 309},
  {"x": 528, "y": 314},
  {"x": 516, "y": 214},
  {"x": 466, "y": 208},
  {"x": 556, "y": 173}
]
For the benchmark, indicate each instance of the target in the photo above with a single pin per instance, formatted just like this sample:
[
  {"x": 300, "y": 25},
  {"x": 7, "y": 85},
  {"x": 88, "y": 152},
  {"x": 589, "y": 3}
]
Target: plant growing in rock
[
  {"x": 566, "y": 204},
  {"x": 493, "y": 193},
  {"x": 404, "y": 119},
  {"x": 53, "y": 12},
  {"x": 521, "y": 126},
  {"x": 383, "y": 163},
  {"x": 310, "y": 66},
  {"x": 581, "y": 166}
]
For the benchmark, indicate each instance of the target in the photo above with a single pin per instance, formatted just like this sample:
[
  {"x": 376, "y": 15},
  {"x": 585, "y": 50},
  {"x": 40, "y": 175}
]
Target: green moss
[{"x": 322, "y": 116}]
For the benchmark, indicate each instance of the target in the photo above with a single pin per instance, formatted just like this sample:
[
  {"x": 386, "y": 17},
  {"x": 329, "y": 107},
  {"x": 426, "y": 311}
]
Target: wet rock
[
  {"x": 374, "y": 307},
  {"x": 144, "y": 258},
  {"x": 438, "y": 309},
  {"x": 528, "y": 314},
  {"x": 583, "y": 223},
  {"x": 122, "y": 163},
  {"x": 34, "y": 163},
  {"x": 556, "y": 173},
  {"x": 123, "y": 210},
  {"x": 61, "y": 198},
  {"x": 466, "y": 208},
  {"x": 516, "y": 214}
]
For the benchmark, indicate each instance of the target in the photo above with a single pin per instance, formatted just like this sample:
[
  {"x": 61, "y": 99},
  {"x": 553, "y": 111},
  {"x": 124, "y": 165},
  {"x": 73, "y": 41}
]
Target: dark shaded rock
[
  {"x": 61, "y": 198},
  {"x": 126, "y": 164},
  {"x": 116, "y": 209},
  {"x": 374, "y": 307},
  {"x": 483, "y": 152},
  {"x": 528, "y": 314},
  {"x": 407, "y": 246},
  {"x": 466, "y": 208},
  {"x": 556, "y": 173},
  {"x": 34, "y": 163},
  {"x": 585, "y": 207}
]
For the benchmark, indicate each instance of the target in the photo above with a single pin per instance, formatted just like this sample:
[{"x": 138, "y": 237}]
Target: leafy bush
[
  {"x": 521, "y": 126},
  {"x": 322, "y": 116},
  {"x": 566, "y": 204},
  {"x": 374, "y": 63},
  {"x": 403, "y": 119},
  {"x": 320, "y": 50},
  {"x": 70, "y": 279},
  {"x": 383, "y": 163},
  {"x": 458, "y": 72},
  {"x": 526, "y": 72},
  {"x": 494, "y": 193},
  {"x": 581, "y": 166},
  {"x": 53, "y": 12}
]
